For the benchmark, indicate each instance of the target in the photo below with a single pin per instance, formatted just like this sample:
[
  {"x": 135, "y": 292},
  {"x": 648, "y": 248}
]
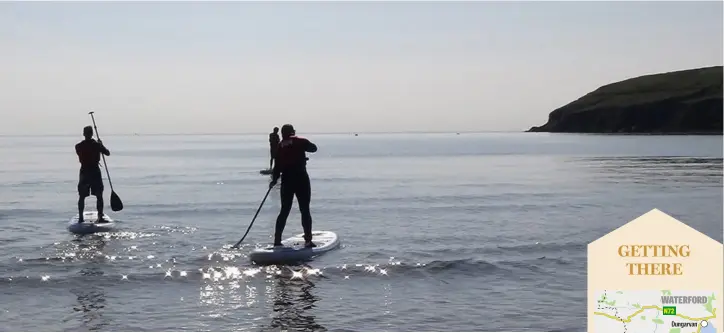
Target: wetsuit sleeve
[
  {"x": 103, "y": 149},
  {"x": 277, "y": 172},
  {"x": 309, "y": 146}
]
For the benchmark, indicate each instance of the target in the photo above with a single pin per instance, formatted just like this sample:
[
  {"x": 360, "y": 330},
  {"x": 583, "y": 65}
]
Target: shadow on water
[{"x": 292, "y": 301}]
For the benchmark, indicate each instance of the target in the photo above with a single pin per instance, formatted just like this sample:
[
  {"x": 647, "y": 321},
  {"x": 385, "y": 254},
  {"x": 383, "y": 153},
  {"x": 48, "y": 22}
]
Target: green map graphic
[{"x": 655, "y": 311}]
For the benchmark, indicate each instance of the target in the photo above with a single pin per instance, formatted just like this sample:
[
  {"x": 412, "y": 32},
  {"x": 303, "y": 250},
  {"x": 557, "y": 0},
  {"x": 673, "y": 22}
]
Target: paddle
[
  {"x": 116, "y": 203},
  {"x": 252, "y": 220}
]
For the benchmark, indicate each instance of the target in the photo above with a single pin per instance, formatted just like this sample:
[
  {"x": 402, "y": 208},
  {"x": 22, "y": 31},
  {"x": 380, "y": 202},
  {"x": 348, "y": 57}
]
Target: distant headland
[{"x": 681, "y": 102}]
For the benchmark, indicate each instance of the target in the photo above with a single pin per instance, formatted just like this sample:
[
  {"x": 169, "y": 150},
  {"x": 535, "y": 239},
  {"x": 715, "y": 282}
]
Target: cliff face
[{"x": 687, "y": 101}]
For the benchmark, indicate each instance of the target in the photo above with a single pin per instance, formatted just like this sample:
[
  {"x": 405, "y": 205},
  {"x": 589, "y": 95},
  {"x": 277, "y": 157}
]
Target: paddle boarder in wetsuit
[
  {"x": 291, "y": 165},
  {"x": 90, "y": 180},
  {"x": 273, "y": 145}
]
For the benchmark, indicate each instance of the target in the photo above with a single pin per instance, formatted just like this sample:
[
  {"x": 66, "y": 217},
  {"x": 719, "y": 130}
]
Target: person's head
[
  {"x": 88, "y": 132},
  {"x": 287, "y": 131},
  {"x": 276, "y": 130}
]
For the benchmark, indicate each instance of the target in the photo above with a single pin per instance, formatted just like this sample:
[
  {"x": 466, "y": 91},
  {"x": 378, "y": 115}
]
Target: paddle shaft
[
  {"x": 102, "y": 156},
  {"x": 252, "y": 220}
]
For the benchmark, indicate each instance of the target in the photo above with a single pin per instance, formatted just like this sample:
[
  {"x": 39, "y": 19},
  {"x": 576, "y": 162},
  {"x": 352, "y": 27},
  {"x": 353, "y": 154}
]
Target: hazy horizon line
[{"x": 264, "y": 133}]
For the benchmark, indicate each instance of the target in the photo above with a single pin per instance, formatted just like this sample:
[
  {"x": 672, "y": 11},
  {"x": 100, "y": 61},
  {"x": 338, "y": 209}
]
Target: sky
[{"x": 245, "y": 67}]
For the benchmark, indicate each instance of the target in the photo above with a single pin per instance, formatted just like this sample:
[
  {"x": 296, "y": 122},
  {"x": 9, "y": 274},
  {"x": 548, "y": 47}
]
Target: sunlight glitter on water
[
  {"x": 226, "y": 296},
  {"x": 251, "y": 272},
  {"x": 230, "y": 278},
  {"x": 224, "y": 256},
  {"x": 227, "y": 289},
  {"x": 127, "y": 235},
  {"x": 183, "y": 230},
  {"x": 251, "y": 295},
  {"x": 231, "y": 272},
  {"x": 297, "y": 275}
]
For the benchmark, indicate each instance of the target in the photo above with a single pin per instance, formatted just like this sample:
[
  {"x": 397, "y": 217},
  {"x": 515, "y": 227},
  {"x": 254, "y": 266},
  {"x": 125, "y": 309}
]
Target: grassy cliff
[{"x": 688, "y": 101}]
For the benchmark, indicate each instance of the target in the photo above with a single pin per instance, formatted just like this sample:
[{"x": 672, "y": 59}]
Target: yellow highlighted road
[{"x": 644, "y": 308}]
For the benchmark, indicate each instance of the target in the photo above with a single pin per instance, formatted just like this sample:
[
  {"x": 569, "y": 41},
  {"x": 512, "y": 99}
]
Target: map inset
[{"x": 656, "y": 311}]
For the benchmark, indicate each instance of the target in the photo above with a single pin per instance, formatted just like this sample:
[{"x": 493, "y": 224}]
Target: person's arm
[
  {"x": 275, "y": 174},
  {"x": 103, "y": 148},
  {"x": 277, "y": 170},
  {"x": 309, "y": 146}
]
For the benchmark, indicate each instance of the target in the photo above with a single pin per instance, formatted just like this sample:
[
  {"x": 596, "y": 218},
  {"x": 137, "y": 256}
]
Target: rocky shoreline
[{"x": 685, "y": 102}]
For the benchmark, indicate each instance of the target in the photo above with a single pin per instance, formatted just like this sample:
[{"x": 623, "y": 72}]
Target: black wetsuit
[
  {"x": 90, "y": 179},
  {"x": 291, "y": 164},
  {"x": 273, "y": 146}
]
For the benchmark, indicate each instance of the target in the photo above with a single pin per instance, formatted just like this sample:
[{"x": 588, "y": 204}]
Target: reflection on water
[
  {"x": 292, "y": 300},
  {"x": 656, "y": 169},
  {"x": 709, "y": 163},
  {"x": 91, "y": 303},
  {"x": 91, "y": 300},
  {"x": 284, "y": 294},
  {"x": 90, "y": 241},
  {"x": 90, "y": 296}
]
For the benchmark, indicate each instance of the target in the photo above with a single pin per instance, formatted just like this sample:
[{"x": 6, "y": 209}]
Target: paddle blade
[{"x": 116, "y": 203}]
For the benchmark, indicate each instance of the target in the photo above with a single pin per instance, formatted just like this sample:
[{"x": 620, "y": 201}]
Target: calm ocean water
[{"x": 470, "y": 232}]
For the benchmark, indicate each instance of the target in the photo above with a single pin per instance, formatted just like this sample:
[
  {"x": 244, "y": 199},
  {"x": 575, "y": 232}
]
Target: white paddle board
[
  {"x": 89, "y": 225},
  {"x": 294, "y": 250}
]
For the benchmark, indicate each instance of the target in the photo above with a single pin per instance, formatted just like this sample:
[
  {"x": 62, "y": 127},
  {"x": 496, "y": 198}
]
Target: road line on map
[{"x": 643, "y": 308}]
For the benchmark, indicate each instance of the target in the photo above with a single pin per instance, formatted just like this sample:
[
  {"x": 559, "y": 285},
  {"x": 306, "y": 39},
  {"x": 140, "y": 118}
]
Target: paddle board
[
  {"x": 294, "y": 250},
  {"x": 266, "y": 171},
  {"x": 89, "y": 224}
]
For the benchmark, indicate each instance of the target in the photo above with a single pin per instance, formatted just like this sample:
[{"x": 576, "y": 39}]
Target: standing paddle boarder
[
  {"x": 273, "y": 145},
  {"x": 90, "y": 180},
  {"x": 291, "y": 165}
]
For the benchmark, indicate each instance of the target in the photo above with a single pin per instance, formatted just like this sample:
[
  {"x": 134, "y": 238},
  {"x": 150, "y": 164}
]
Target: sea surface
[{"x": 440, "y": 232}]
